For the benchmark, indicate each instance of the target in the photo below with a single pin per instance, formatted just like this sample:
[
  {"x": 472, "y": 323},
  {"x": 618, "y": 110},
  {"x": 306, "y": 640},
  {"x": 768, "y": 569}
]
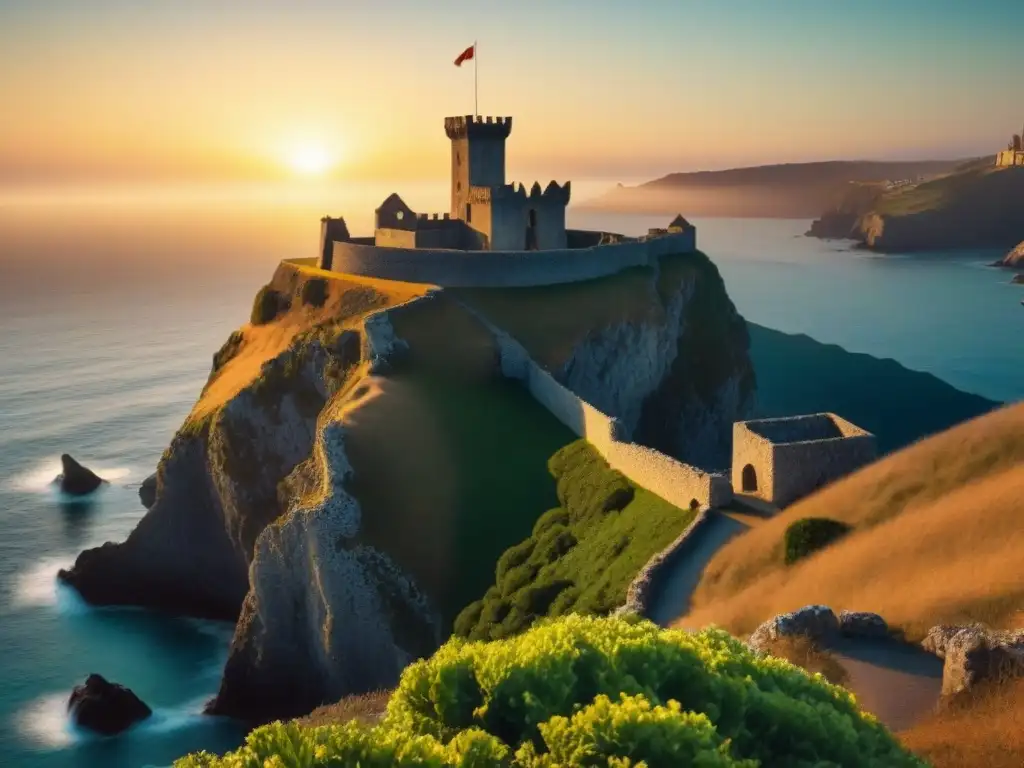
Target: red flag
[{"x": 466, "y": 55}]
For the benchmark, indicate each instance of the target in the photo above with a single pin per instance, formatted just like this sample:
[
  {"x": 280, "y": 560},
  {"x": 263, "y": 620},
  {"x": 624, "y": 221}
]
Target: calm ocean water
[{"x": 106, "y": 333}]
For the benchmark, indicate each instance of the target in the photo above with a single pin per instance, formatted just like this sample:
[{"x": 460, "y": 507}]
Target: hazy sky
[{"x": 187, "y": 89}]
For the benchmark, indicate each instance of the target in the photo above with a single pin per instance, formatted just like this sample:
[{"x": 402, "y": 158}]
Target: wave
[
  {"x": 38, "y": 587},
  {"x": 39, "y": 479},
  {"x": 47, "y": 723}
]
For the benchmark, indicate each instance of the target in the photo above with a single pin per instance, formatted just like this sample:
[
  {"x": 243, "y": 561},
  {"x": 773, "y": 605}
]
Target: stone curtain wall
[
  {"x": 675, "y": 482},
  {"x": 510, "y": 269}
]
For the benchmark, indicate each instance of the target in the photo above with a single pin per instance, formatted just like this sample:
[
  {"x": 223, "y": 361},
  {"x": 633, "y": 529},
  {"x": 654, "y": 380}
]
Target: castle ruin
[
  {"x": 1014, "y": 152},
  {"x": 495, "y": 233},
  {"x": 782, "y": 460}
]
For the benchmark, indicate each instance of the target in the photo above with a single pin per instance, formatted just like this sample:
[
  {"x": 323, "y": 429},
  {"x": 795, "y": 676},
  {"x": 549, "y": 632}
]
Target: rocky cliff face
[
  {"x": 253, "y": 517},
  {"x": 1015, "y": 259},
  {"x": 977, "y": 207},
  {"x": 677, "y": 383}
]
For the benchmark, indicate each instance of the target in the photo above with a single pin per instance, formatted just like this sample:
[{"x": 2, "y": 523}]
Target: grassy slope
[
  {"x": 450, "y": 459},
  {"x": 349, "y": 300},
  {"x": 582, "y": 555},
  {"x": 551, "y": 320},
  {"x": 898, "y": 405},
  {"x": 937, "y": 539}
]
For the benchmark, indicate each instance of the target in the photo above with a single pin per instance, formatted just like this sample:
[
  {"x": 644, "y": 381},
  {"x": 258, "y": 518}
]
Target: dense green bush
[
  {"x": 269, "y": 303},
  {"x": 586, "y": 691},
  {"x": 807, "y": 535},
  {"x": 582, "y": 555},
  {"x": 314, "y": 292}
]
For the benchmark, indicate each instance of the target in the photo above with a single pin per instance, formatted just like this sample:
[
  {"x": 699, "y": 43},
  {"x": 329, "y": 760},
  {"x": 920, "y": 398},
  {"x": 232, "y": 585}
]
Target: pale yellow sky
[{"x": 213, "y": 89}]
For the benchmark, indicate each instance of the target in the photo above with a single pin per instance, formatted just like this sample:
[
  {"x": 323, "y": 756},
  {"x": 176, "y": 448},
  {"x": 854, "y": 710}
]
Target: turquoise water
[{"x": 104, "y": 363}]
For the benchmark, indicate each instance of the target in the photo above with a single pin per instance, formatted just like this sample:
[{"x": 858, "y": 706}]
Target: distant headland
[
  {"x": 786, "y": 191},
  {"x": 978, "y": 205}
]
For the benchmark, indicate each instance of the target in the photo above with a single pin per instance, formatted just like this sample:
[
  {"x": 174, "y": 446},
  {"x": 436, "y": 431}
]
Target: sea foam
[{"x": 39, "y": 478}]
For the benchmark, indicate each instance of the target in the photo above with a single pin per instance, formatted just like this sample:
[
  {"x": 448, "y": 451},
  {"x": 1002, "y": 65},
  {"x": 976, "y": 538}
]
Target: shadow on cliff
[{"x": 796, "y": 374}]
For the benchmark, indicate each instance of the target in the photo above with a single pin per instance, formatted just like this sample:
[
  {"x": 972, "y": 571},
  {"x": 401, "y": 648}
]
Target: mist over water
[{"x": 111, "y": 308}]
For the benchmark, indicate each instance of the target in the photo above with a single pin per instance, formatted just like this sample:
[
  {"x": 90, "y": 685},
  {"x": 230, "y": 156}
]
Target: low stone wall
[
  {"x": 645, "y": 585},
  {"x": 464, "y": 269},
  {"x": 677, "y": 483}
]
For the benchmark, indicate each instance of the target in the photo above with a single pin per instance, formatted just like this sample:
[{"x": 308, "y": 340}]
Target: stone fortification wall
[
  {"x": 801, "y": 468},
  {"x": 1010, "y": 157},
  {"x": 675, "y": 482},
  {"x": 464, "y": 269}
]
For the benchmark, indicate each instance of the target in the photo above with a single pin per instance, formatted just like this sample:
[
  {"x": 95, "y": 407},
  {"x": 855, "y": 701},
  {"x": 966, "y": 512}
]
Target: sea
[{"x": 112, "y": 303}]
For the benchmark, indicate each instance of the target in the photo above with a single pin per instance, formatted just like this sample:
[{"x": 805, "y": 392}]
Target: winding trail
[{"x": 896, "y": 682}]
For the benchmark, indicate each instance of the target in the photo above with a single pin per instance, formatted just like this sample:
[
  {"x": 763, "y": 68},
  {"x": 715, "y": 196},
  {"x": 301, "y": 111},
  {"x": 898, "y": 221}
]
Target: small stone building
[{"x": 782, "y": 460}]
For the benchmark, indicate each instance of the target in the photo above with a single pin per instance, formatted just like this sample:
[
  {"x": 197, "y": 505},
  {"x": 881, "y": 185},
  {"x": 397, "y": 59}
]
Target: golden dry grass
[
  {"x": 349, "y": 300},
  {"x": 803, "y": 653},
  {"x": 982, "y": 729},
  {"x": 365, "y": 708},
  {"x": 939, "y": 528}
]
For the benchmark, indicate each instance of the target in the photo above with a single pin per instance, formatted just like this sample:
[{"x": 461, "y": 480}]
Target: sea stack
[
  {"x": 75, "y": 479},
  {"x": 104, "y": 707}
]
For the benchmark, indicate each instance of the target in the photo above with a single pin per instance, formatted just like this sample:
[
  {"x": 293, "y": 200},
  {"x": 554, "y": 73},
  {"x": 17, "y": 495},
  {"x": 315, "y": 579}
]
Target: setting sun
[{"x": 311, "y": 160}]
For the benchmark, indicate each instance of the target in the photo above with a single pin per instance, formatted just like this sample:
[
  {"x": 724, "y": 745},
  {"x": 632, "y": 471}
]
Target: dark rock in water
[
  {"x": 1018, "y": 279},
  {"x": 76, "y": 479},
  {"x": 147, "y": 491},
  {"x": 105, "y": 707}
]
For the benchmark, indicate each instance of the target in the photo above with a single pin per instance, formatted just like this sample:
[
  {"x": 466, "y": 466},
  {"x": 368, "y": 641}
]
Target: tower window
[{"x": 469, "y": 212}]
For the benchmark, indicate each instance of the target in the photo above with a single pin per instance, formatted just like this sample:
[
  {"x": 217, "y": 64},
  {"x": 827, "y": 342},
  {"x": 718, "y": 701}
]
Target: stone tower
[{"x": 478, "y": 157}]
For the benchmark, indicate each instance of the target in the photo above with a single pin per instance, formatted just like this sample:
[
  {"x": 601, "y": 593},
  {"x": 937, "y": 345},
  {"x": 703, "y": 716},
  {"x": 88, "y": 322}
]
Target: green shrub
[
  {"x": 314, "y": 292},
  {"x": 268, "y": 304},
  {"x": 580, "y": 557},
  {"x": 586, "y": 691},
  {"x": 556, "y": 516},
  {"x": 517, "y": 578},
  {"x": 808, "y": 535},
  {"x": 513, "y": 556}
]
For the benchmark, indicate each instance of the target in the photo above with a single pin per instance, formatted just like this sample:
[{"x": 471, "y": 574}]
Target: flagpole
[{"x": 476, "y": 59}]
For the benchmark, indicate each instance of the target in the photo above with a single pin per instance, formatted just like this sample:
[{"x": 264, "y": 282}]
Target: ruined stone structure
[
  {"x": 783, "y": 460},
  {"x": 1014, "y": 152},
  {"x": 495, "y": 234}
]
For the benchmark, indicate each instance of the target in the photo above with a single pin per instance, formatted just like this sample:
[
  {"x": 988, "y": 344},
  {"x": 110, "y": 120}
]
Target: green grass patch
[
  {"x": 499, "y": 437},
  {"x": 550, "y": 320},
  {"x": 582, "y": 555}
]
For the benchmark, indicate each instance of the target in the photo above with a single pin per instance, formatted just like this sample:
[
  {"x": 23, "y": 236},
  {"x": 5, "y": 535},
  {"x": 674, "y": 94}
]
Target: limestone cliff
[
  {"x": 1014, "y": 259},
  {"x": 326, "y": 490},
  {"x": 678, "y": 380},
  {"x": 665, "y": 351}
]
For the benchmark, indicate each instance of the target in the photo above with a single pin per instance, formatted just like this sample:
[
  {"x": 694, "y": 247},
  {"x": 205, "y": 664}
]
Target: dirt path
[
  {"x": 898, "y": 683},
  {"x": 672, "y": 598}
]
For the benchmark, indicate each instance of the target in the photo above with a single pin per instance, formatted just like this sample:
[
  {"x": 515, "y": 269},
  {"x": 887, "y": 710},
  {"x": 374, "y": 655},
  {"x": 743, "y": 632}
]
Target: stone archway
[{"x": 749, "y": 478}]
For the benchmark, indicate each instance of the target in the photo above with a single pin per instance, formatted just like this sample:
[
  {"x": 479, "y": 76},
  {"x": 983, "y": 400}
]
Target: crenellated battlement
[
  {"x": 478, "y": 127},
  {"x": 552, "y": 193}
]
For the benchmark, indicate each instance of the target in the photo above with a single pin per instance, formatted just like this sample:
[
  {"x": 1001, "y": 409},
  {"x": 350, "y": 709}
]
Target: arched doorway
[{"x": 749, "y": 478}]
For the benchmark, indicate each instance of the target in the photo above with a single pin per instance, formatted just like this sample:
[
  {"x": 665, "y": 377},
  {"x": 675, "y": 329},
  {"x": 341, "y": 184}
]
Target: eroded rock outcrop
[
  {"x": 218, "y": 490},
  {"x": 678, "y": 381},
  {"x": 147, "y": 491},
  {"x": 104, "y": 707},
  {"x": 974, "y": 653},
  {"x": 817, "y": 623},
  {"x": 325, "y": 615},
  {"x": 1015, "y": 258}
]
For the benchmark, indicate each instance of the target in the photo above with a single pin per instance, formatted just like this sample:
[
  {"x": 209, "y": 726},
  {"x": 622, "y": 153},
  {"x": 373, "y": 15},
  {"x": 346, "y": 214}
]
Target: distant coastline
[{"x": 785, "y": 191}]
